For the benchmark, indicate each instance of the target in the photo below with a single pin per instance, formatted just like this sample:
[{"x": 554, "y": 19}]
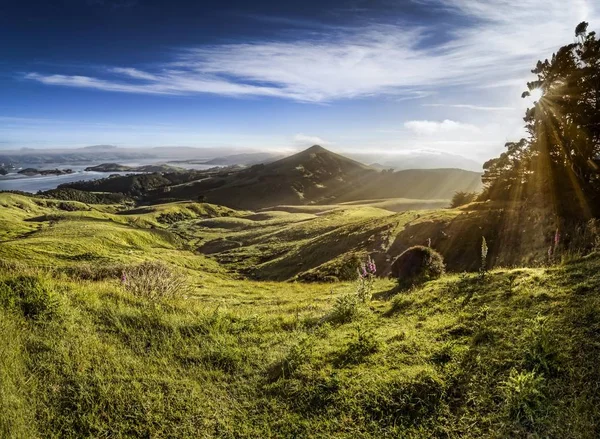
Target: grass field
[{"x": 512, "y": 355}]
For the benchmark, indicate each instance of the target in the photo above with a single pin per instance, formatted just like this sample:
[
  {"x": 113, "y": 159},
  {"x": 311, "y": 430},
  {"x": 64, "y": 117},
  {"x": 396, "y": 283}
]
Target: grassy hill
[
  {"x": 514, "y": 355},
  {"x": 309, "y": 243}
]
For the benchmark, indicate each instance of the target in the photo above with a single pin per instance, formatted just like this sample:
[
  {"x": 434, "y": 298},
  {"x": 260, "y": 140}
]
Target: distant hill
[
  {"x": 115, "y": 167},
  {"x": 108, "y": 167},
  {"x": 99, "y": 147},
  {"x": 418, "y": 159},
  {"x": 317, "y": 175},
  {"x": 245, "y": 159}
]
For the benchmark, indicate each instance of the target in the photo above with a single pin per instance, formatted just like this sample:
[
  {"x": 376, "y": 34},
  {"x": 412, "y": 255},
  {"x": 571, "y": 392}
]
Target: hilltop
[{"x": 317, "y": 175}]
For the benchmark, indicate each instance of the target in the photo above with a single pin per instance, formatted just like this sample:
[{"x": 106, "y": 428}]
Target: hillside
[
  {"x": 115, "y": 167},
  {"x": 317, "y": 175},
  {"x": 512, "y": 355}
]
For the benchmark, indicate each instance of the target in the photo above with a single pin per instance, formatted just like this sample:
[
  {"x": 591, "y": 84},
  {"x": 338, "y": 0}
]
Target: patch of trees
[
  {"x": 135, "y": 185},
  {"x": 69, "y": 194},
  {"x": 558, "y": 162}
]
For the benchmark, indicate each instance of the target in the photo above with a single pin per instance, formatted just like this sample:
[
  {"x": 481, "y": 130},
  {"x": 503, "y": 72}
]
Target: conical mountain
[
  {"x": 319, "y": 162},
  {"x": 319, "y": 176}
]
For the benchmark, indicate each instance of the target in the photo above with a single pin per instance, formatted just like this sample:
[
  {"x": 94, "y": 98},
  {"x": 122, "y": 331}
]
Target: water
[{"x": 18, "y": 182}]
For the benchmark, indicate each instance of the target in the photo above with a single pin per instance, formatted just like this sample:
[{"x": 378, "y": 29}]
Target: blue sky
[{"x": 377, "y": 75}]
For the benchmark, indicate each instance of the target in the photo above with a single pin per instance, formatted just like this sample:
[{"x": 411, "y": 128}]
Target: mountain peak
[{"x": 316, "y": 148}]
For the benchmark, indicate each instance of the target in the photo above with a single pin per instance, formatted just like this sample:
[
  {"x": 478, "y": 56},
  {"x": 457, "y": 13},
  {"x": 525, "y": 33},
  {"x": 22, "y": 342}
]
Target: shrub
[
  {"x": 417, "y": 265},
  {"x": 154, "y": 281},
  {"x": 29, "y": 295},
  {"x": 461, "y": 198}
]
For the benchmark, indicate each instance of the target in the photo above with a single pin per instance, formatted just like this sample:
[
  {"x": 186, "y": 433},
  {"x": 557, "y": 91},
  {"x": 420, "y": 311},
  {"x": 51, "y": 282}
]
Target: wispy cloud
[
  {"x": 497, "y": 44},
  {"x": 471, "y": 107},
  {"x": 430, "y": 127}
]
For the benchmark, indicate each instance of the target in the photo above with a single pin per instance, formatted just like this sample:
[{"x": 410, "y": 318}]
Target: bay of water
[{"x": 33, "y": 184}]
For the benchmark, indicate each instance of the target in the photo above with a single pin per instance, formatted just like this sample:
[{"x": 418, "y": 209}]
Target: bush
[
  {"x": 417, "y": 265},
  {"x": 29, "y": 295},
  {"x": 154, "y": 280},
  {"x": 461, "y": 198}
]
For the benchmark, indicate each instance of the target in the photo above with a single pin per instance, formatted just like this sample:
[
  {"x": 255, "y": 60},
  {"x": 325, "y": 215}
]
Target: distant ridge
[
  {"x": 246, "y": 159},
  {"x": 100, "y": 147},
  {"x": 317, "y": 175}
]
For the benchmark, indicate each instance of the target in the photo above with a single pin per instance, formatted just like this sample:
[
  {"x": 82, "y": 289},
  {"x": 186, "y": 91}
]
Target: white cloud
[
  {"x": 498, "y": 47},
  {"x": 303, "y": 139},
  {"x": 429, "y": 127},
  {"x": 134, "y": 73},
  {"x": 471, "y": 107}
]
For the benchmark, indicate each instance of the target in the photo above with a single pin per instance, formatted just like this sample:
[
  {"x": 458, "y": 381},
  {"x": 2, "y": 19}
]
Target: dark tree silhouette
[{"x": 557, "y": 163}]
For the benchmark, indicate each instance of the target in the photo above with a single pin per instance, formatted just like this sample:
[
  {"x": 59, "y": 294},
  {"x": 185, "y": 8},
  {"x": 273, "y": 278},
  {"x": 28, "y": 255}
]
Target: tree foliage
[
  {"x": 557, "y": 162},
  {"x": 461, "y": 198}
]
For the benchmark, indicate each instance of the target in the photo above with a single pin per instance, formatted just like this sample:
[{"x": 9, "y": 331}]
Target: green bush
[
  {"x": 461, "y": 198},
  {"x": 417, "y": 265},
  {"x": 29, "y": 295}
]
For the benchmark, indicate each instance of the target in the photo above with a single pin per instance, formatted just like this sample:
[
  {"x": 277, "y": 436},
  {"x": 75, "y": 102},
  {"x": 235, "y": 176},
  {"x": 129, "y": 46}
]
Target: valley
[{"x": 263, "y": 341}]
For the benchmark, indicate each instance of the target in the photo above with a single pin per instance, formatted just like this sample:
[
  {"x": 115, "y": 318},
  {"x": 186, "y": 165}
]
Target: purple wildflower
[
  {"x": 557, "y": 238},
  {"x": 372, "y": 269},
  {"x": 123, "y": 278}
]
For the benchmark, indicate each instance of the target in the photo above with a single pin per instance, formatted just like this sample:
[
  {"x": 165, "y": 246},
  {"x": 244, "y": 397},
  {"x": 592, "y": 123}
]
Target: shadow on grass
[{"x": 384, "y": 296}]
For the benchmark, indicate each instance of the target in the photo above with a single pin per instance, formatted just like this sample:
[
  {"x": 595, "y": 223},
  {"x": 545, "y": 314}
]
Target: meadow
[{"x": 257, "y": 346}]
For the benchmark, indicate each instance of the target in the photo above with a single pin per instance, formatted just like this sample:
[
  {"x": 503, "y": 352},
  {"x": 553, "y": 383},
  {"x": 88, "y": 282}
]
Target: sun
[{"x": 536, "y": 94}]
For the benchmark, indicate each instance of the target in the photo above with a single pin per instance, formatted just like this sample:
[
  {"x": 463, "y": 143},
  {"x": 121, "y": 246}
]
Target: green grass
[
  {"x": 456, "y": 358},
  {"x": 514, "y": 355}
]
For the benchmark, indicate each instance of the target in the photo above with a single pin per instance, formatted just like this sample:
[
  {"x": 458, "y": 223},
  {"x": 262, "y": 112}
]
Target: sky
[{"x": 361, "y": 75}]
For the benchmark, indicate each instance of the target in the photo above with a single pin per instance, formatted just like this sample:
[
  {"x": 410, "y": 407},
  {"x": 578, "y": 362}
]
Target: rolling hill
[
  {"x": 85, "y": 355},
  {"x": 319, "y": 176}
]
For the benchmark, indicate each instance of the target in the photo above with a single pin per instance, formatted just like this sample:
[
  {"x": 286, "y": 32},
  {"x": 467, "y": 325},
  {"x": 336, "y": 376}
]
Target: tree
[
  {"x": 558, "y": 161},
  {"x": 461, "y": 198}
]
